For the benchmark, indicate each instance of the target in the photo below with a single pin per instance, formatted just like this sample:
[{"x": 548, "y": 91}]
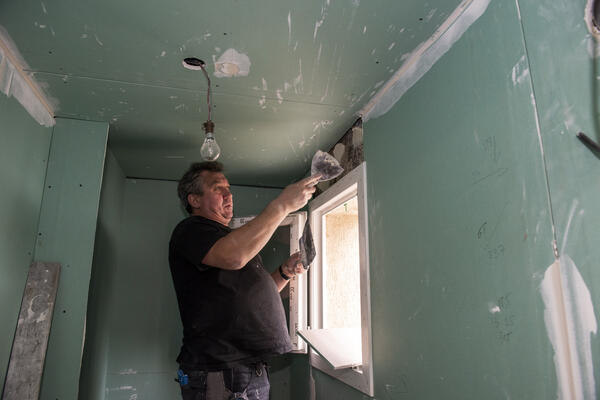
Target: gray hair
[{"x": 191, "y": 182}]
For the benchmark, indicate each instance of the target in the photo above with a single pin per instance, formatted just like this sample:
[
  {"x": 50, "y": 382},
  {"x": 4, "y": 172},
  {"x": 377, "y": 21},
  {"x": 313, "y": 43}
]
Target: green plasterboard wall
[
  {"x": 24, "y": 146},
  {"x": 134, "y": 331},
  {"x": 564, "y": 66},
  {"x": 460, "y": 230},
  {"x": 104, "y": 266},
  {"x": 66, "y": 235}
]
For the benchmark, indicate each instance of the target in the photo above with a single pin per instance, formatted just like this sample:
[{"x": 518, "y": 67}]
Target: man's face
[{"x": 216, "y": 202}]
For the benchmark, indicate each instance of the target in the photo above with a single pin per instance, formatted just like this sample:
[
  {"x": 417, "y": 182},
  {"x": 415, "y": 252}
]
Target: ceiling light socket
[{"x": 193, "y": 63}]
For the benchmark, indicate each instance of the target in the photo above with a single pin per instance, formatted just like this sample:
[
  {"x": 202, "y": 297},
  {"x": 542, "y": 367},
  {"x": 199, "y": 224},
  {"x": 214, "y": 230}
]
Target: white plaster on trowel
[
  {"x": 15, "y": 82},
  {"x": 570, "y": 321},
  {"x": 424, "y": 57},
  {"x": 232, "y": 63}
]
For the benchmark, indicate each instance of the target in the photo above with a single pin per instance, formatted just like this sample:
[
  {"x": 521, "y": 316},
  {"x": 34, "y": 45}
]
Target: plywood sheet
[{"x": 31, "y": 338}]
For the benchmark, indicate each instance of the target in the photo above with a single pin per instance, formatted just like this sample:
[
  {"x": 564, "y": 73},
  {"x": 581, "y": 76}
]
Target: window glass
[{"x": 341, "y": 267}]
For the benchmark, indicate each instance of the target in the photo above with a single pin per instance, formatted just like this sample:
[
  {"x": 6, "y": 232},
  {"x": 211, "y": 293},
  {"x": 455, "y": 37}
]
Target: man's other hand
[{"x": 293, "y": 265}]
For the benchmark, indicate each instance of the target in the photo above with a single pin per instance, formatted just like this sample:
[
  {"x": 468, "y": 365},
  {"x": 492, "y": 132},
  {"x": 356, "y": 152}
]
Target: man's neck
[{"x": 215, "y": 218}]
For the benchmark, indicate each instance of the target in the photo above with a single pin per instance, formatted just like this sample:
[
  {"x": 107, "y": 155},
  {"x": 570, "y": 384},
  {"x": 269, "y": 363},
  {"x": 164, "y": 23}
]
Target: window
[{"x": 340, "y": 320}]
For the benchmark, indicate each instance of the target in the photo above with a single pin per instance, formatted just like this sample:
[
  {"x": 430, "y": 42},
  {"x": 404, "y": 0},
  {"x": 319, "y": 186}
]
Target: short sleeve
[{"x": 193, "y": 241}]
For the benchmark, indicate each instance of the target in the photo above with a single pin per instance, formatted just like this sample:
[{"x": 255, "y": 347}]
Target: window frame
[
  {"x": 352, "y": 184},
  {"x": 298, "y": 312}
]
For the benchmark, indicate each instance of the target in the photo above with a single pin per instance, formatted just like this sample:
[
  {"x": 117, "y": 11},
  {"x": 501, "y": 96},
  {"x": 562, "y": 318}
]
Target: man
[{"x": 230, "y": 307}]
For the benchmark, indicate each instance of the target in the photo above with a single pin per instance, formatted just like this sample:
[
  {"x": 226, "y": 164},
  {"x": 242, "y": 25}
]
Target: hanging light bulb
[{"x": 210, "y": 150}]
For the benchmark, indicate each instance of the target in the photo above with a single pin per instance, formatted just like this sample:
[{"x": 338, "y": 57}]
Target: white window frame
[
  {"x": 352, "y": 184},
  {"x": 298, "y": 284}
]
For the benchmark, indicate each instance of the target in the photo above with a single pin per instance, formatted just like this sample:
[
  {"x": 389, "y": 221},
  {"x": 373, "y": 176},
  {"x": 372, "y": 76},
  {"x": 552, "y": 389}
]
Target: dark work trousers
[{"x": 243, "y": 382}]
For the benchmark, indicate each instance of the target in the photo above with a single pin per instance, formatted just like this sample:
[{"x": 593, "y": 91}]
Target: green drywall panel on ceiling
[
  {"x": 322, "y": 60},
  {"x": 157, "y": 131},
  {"x": 66, "y": 235},
  {"x": 314, "y": 51},
  {"x": 460, "y": 233},
  {"x": 24, "y": 146},
  {"x": 565, "y": 72},
  {"x": 94, "y": 366}
]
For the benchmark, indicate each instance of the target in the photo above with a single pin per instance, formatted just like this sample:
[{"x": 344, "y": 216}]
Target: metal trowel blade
[{"x": 307, "y": 246}]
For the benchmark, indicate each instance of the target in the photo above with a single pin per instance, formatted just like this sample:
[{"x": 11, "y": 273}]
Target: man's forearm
[{"x": 241, "y": 245}]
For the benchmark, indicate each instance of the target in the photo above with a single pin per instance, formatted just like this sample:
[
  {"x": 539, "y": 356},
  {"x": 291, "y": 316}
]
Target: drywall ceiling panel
[{"x": 297, "y": 63}]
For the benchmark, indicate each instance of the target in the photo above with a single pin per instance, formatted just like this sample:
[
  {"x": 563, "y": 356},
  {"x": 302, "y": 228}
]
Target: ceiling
[{"x": 305, "y": 70}]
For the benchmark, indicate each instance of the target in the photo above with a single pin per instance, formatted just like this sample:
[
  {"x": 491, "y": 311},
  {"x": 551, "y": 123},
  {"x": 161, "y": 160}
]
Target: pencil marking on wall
[{"x": 424, "y": 57}]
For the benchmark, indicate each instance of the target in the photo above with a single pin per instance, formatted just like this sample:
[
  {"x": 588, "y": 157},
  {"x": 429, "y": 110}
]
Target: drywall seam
[
  {"x": 424, "y": 57},
  {"x": 570, "y": 321},
  {"x": 14, "y": 81}
]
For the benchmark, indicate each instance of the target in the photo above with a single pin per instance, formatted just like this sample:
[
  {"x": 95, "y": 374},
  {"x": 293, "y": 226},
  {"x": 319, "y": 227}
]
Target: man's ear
[{"x": 194, "y": 200}]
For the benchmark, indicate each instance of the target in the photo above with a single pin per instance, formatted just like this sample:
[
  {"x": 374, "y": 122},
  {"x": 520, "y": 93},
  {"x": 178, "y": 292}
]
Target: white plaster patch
[
  {"x": 593, "y": 46},
  {"x": 391, "y": 46},
  {"x": 494, "y": 309},
  {"x": 570, "y": 321},
  {"x": 128, "y": 371},
  {"x": 357, "y": 136},
  {"x": 520, "y": 71},
  {"x": 163, "y": 53},
  {"x": 264, "y": 85},
  {"x": 15, "y": 82},
  {"x": 430, "y": 15},
  {"x": 279, "y": 96},
  {"x": 424, "y": 57},
  {"x": 289, "y": 21},
  {"x": 98, "y": 40},
  {"x": 321, "y": 20},
  {"x": 232, "y": 63},
  {"x": 317, "y": 125},
  {"x": 262, "y": 102}
]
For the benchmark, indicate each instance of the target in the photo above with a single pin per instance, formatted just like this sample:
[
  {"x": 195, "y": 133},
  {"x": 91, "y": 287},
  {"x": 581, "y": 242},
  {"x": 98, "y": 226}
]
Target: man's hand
[
  {"x": 296, "y": 195},
  {"x": 290, "y": 268},
  {"x": 293, "y": 265}
]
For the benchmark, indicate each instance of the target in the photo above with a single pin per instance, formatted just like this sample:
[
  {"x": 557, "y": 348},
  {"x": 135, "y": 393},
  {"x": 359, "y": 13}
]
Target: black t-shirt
[{"x": 229, "y": 317}]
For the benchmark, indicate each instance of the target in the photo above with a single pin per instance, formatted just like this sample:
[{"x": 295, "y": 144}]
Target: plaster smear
[
  {"x": 424, "y": 57},
  {"x": 570, "y": 321},
  {"x": 14, "y": 81},
  {"x": 520, "y": 71},
  {"x": 232, "y": 63}
]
